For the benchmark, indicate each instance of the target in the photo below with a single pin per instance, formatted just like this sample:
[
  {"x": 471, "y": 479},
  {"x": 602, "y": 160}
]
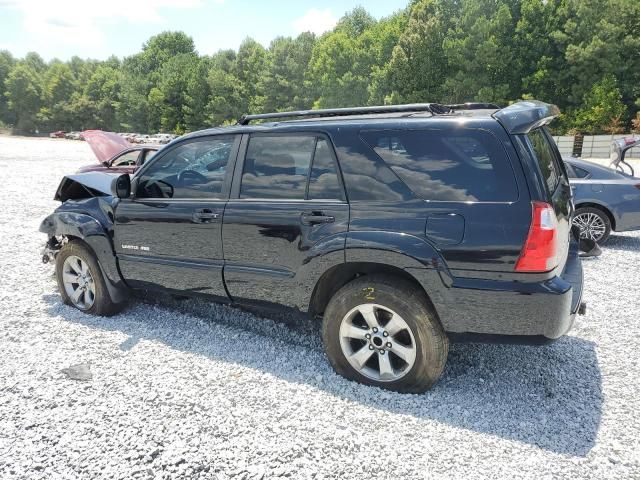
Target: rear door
[
  {"x": 286, "y": 218},
  {"x": 168, "y": 234}
]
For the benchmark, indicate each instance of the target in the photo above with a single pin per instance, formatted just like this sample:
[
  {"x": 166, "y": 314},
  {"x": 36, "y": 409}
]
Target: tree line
[{"x": 583, "y": 55}]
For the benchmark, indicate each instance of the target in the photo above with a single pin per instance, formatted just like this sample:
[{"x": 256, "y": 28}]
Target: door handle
[
  {"x": 204, "y": 215},
  {"x": 314, "y": 218}
]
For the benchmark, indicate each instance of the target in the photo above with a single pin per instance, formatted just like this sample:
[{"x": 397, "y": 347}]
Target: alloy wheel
[
  {"x": 591, "y": 225},
  {"x": 377, "y": 342},
  {"x": 78, "y": 282}
]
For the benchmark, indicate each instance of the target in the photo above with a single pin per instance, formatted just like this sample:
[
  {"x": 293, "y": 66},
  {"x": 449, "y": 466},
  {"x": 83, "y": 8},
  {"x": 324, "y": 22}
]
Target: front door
[
  {"x": 168, "y": 234},
  {"x": 286, "y": 221}
]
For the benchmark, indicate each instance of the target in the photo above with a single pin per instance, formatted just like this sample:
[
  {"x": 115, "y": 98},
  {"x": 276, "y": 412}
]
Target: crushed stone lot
[{"x": 187, "y": 389}]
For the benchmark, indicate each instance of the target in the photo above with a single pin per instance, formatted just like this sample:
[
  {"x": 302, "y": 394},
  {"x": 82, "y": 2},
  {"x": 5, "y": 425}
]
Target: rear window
[
  {"x": 461, "y": 165},
  {"x": 580, "y": 172},
  {"x": 546, "y": 158}
]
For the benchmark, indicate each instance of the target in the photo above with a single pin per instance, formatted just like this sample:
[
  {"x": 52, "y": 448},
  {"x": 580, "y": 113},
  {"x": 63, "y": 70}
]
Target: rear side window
[
  {"x": 458, "y": 165},
  {"x": 277, "y": 167},
  {"x": 296, "y": 167},
  {"x": 545, "y": 157},
  {"x": 323, "y": 181}
]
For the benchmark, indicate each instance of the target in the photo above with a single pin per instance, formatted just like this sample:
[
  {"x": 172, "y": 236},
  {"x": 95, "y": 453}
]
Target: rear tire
[
  {"x": 593, "y": 224},
  {"x": 381, "y": 331},
  {"x": 80, "y": 280}
]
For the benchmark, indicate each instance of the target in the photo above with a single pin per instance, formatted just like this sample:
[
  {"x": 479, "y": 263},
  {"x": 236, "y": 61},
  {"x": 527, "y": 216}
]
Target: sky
[{"x": 98, "y": 29}]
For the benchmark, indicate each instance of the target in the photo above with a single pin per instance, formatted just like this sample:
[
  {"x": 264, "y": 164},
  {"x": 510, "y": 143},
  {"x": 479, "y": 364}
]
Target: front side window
[
  {"x": 279, "y": 167},
  {"x": 461, "y": 165},
  {"x": 545, "y": 157},
  {"x": 195, "y": 169},
  {"x": 128, "y": 159}
]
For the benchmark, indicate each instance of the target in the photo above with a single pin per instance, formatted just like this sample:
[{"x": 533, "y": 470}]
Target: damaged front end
[{"x": 86, "y": 214}]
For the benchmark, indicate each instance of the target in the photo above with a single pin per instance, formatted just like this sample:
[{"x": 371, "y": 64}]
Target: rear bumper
[{"x": 542, "y": 310}]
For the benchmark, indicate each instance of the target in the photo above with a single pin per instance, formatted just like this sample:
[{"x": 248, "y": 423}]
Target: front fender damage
[{"x": 91, "y": 220}]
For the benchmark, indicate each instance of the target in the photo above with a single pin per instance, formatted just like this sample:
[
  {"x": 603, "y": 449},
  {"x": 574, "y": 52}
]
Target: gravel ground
[{"x": 192, "y": 390}]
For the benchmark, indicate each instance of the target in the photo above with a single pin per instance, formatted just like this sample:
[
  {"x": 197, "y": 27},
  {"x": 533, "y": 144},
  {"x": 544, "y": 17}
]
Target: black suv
[{"x": 401, "y": 227}]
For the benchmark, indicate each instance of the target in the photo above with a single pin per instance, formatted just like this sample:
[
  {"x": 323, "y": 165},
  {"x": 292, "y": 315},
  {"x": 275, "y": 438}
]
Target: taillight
[{"x": 540, "y": 250}]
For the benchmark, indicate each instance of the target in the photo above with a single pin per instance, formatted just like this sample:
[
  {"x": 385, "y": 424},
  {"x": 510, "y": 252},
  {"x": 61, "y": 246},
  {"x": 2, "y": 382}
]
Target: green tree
[
  {"x": 7, "y": 62},
  {"x": 283, "y": 84},
  {"x": 602, "y": 109},
  {"x": 24, "y": 96},
  {"x": 103, "y": 89},
  {"x": 418, "y": 66},
  {"x": 58, "y": 88}
]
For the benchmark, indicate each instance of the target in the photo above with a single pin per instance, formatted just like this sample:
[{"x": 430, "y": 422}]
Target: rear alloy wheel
[
  {"x": 380, "y": 330},
  {"x": 593, "y": 223},
  {"x": 377, "y": 342}
]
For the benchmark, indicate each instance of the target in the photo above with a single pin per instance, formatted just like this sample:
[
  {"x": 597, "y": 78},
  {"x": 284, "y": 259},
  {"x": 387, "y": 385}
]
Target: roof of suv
[{"x": 519, "y": 117}]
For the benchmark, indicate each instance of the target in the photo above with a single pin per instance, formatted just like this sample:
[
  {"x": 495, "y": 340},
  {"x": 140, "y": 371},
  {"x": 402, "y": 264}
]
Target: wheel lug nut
[
  {"x": 370, "y": 347},
  {"x": 368, "y": 336},
  {"x": 375, "y": 330},
  {"x": 385, "y": 333},
  {"x": 388, "y": 344},
  {"x": 381, "y": 352}
]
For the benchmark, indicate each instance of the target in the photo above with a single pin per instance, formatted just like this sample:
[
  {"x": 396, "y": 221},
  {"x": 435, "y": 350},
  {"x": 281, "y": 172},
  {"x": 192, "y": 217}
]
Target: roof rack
[
  {"x": 473, "y": 106},
  {"x": 434, "y": 108}
]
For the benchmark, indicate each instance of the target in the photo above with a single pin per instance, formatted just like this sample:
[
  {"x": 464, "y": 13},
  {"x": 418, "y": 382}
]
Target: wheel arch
[
  {"x": 85, "y": 228},
  {"x": 338, "y": 276}
]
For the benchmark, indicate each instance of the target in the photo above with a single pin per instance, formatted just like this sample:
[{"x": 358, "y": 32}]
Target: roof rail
[
  {"x": 522, "y": 117},
  {"x": 473, "y": 106},
  {"x": 434, "y": 108}
]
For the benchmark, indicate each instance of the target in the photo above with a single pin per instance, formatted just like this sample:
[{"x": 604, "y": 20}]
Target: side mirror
[{"x": 121, "y": 186}]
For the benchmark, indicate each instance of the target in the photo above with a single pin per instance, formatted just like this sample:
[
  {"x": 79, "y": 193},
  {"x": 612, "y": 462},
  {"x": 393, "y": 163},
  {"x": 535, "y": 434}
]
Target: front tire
[
  {"x": 380, "y": 331},
  {"x": 593, "y": 223},
  {"x": 80, "y": 280}
]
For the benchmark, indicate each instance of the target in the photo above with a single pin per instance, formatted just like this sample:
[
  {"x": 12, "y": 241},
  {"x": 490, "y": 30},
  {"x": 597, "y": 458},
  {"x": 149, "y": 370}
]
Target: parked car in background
[
  {"x": 403, "y": 227},
  {"x": 606, "y": 200},
  {"x": 115, "y": 154},
  {"x": 73, "y": 136},
  {"x": 58, "y": 134}
]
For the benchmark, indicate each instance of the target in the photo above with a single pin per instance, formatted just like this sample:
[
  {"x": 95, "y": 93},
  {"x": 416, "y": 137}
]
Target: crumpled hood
[
  {"x": 105, "y": 145},
  {"x": 85, "y": 185}
]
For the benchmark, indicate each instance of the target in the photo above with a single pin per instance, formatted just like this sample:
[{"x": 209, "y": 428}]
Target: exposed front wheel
[
  {"x": 80, "y": 280},
  {"x": 593, "y": 223},
  {"x": 380, "y": 331}
]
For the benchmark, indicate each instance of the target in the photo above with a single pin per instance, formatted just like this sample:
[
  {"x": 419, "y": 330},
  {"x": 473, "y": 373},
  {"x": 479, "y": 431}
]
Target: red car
[
  {"x": 58, "y": 134},
  {"x": 115, "y": 153}
]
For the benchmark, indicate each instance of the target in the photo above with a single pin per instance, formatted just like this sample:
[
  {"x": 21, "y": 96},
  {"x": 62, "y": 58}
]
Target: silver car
[{"x": 605, "y": 200}]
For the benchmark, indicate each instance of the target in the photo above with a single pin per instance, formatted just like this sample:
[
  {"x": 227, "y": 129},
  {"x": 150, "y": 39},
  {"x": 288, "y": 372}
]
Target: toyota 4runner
[{"x": 400, "y": 227}]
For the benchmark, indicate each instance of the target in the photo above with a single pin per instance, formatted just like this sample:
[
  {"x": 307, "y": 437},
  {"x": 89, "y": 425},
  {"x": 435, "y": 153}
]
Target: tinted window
[
  {"x": 569, "y": 169},
  {"x": 323, "y": 181},
  {"x": 191, "y": 170},
  {"x": 580, "y": 172},
  {"x": 460, "y": 165},
  {"x": 277, "y": 166},
  {"x": 545, "y": 156},
  {"x": 146, "y": 155},
  {"x": 126, "y": 160}
]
